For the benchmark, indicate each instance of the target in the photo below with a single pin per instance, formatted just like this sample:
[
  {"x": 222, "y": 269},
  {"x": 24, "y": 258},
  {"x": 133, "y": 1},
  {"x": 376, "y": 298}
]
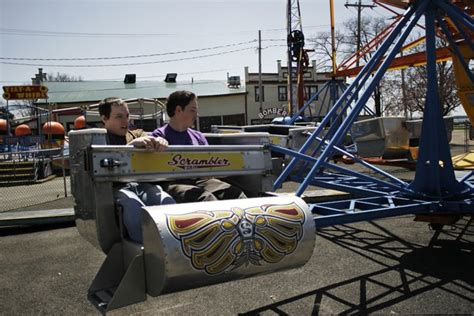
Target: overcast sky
[{"x": 100, "y": 29}]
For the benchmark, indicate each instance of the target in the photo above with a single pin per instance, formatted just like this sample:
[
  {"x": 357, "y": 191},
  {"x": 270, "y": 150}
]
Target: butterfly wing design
[{"x": 223, "y": 240}]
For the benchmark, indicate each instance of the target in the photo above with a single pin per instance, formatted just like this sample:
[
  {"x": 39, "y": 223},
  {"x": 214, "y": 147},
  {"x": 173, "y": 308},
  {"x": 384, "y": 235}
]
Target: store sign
[
  {"x": 273, "y": 111},
  {"x": 25, "y": 92}
]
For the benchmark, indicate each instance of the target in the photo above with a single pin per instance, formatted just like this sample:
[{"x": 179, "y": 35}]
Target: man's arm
[{"x": 143, "y": 140}]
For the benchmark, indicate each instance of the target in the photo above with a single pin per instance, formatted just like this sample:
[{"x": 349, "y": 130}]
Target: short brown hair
[
  {"x": 105, "y": 106},
  {"x": 181, "y": 98}
]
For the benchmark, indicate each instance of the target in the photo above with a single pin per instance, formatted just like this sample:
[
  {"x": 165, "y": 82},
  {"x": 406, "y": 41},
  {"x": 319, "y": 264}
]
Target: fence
[{"x": 34, "y": 179}]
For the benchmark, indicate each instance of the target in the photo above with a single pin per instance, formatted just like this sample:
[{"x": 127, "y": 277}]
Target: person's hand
[{"x": 150, "y": 143}]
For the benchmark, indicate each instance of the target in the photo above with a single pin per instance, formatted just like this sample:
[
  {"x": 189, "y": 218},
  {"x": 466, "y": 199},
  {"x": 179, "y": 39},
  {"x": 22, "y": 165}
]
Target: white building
[{"x": 275, "y": 94}]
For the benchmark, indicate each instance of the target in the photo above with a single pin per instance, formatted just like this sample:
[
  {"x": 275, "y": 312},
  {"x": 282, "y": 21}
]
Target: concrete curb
[{"x": 18, "y": 218}]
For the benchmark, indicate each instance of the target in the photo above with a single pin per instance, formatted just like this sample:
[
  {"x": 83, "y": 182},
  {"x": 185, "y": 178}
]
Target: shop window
[
  {"x": 257, "y": 94},
  {"x": 282, "y": 93},
  {"x": 309, "y": 91}
]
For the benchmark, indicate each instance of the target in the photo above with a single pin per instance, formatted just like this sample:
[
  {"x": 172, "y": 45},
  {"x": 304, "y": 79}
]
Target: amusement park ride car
[{"x": 195, "y": 244}]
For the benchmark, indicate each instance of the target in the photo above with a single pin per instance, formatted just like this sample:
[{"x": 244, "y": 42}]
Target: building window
[
  {"x": 282, "y": 93},
  {"x": 257, "y": 94},
  {"x": 309, "y": 91}
]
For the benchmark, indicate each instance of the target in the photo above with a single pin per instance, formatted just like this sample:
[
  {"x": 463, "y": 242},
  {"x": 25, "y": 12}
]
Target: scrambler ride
[{"x": 196, "y": 244}]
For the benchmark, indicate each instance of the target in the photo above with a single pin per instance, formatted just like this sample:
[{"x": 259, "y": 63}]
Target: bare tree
[
  {"x": 416, "y": 87},
  {"x": 346, "y": 46},
  {"x": 62, "y": 77},
  {"x": 370, "y": 29},
  {"x": 321, "y": 43},
  {"x": 389, "y": 91}
]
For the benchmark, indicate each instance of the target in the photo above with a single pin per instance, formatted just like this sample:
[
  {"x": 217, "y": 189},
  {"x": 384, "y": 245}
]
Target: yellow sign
[
  {"x": 25, "y": 92},
  {"x": 278, "y": 140},
  {"x": 181, "y": 162}
]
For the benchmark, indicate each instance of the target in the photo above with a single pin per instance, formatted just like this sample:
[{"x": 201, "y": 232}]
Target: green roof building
[{"x": 219, "y": 104}]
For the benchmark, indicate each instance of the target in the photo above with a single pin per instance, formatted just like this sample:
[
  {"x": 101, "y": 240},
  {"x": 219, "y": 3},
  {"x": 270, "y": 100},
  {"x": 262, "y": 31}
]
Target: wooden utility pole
[{"x": 359, "y": 7}]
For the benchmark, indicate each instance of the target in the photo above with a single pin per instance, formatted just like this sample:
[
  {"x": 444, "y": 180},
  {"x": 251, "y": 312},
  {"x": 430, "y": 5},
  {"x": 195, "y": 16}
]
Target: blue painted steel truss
[{"x": 435, "y": 188}]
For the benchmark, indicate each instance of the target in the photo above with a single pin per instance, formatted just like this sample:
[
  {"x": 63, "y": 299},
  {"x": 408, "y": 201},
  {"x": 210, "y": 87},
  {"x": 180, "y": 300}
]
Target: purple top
[{"x": 188, "y": 137}]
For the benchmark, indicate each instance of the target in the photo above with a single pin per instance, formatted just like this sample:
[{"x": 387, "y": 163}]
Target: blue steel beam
[
  {"x": 435, "y": 189},
  {"x": 323, "y": 101},
  {"x": 357, "y": 85},
  {"x": 454, "y": 47},
  {"x": 355, "y": 210},
  {"x": 396, "y": 184},
  {"x": 358, "y": 82},
  {"x": 342, "y": 130},
  {"x": 454, "y": 15},
  {"x": 466, "y": 177},
  {"x": 351, "y": 185},
  {"x": 370, "y": 167},
  {"x": 434, "y": 169},
  {"x": 367, "y": 215},
  {"x": 305, "y": 106}
]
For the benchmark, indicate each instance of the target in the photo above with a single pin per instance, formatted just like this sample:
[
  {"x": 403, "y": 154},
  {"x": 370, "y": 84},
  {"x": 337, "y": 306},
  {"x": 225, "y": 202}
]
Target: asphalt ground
[{"x": 389, "y": 266}]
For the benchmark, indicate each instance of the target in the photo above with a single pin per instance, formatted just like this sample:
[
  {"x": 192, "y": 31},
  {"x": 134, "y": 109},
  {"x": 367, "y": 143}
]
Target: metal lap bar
[{"x": 126, "y": 163}]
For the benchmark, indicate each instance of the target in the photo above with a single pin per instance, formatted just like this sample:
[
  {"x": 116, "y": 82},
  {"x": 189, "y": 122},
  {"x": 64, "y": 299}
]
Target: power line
[
  {"x": 131, "y": 56},
  {"x": 128, "y": 64},
  {"x": 270, "y": 46},
  {"x": 30, "y": 32},
  {"x": 274, "y": 40},
  {"x": 9, "y": 31}
]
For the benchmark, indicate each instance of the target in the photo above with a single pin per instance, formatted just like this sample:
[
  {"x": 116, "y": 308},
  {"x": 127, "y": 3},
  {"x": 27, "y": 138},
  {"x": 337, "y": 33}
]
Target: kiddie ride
[{"x": 196, "y": 244}]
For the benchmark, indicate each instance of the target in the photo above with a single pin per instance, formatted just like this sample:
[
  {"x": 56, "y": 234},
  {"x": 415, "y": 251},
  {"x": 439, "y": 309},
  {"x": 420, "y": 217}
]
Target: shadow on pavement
[
  {"x": 446, "y": 265},
  {"x": 19, "y": 230}
]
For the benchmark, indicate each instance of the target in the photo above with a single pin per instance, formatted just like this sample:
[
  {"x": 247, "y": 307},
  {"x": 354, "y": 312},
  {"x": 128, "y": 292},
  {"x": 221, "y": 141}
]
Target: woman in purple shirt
[{"x": 182, "y": 108}]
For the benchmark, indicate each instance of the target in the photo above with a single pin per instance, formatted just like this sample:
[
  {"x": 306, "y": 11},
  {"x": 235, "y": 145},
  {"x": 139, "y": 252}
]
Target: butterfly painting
[{"x": 223, "y": 240}]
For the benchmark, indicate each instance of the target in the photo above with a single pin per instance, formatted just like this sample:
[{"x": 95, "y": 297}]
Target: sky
[{"x": 220, "y": 36}]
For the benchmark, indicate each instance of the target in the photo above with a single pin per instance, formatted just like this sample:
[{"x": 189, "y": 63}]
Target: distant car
[{"x": 285, "y": 120}]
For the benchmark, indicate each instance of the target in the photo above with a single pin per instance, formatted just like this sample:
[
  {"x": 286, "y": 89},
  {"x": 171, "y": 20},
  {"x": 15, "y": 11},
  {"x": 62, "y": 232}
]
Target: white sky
[{"x": 177, "y": 25}]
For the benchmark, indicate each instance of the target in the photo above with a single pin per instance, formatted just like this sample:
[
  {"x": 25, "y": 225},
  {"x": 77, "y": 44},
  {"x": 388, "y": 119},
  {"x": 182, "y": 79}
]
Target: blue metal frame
[
  {"x": 435, "y": 188},
  {"x": 344, "y": 102},
  {"x": 457, "y": 52}
]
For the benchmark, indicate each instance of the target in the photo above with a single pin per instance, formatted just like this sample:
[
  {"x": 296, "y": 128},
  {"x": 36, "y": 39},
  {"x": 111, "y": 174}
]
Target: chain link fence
[{"x": 34, "y": 179}]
